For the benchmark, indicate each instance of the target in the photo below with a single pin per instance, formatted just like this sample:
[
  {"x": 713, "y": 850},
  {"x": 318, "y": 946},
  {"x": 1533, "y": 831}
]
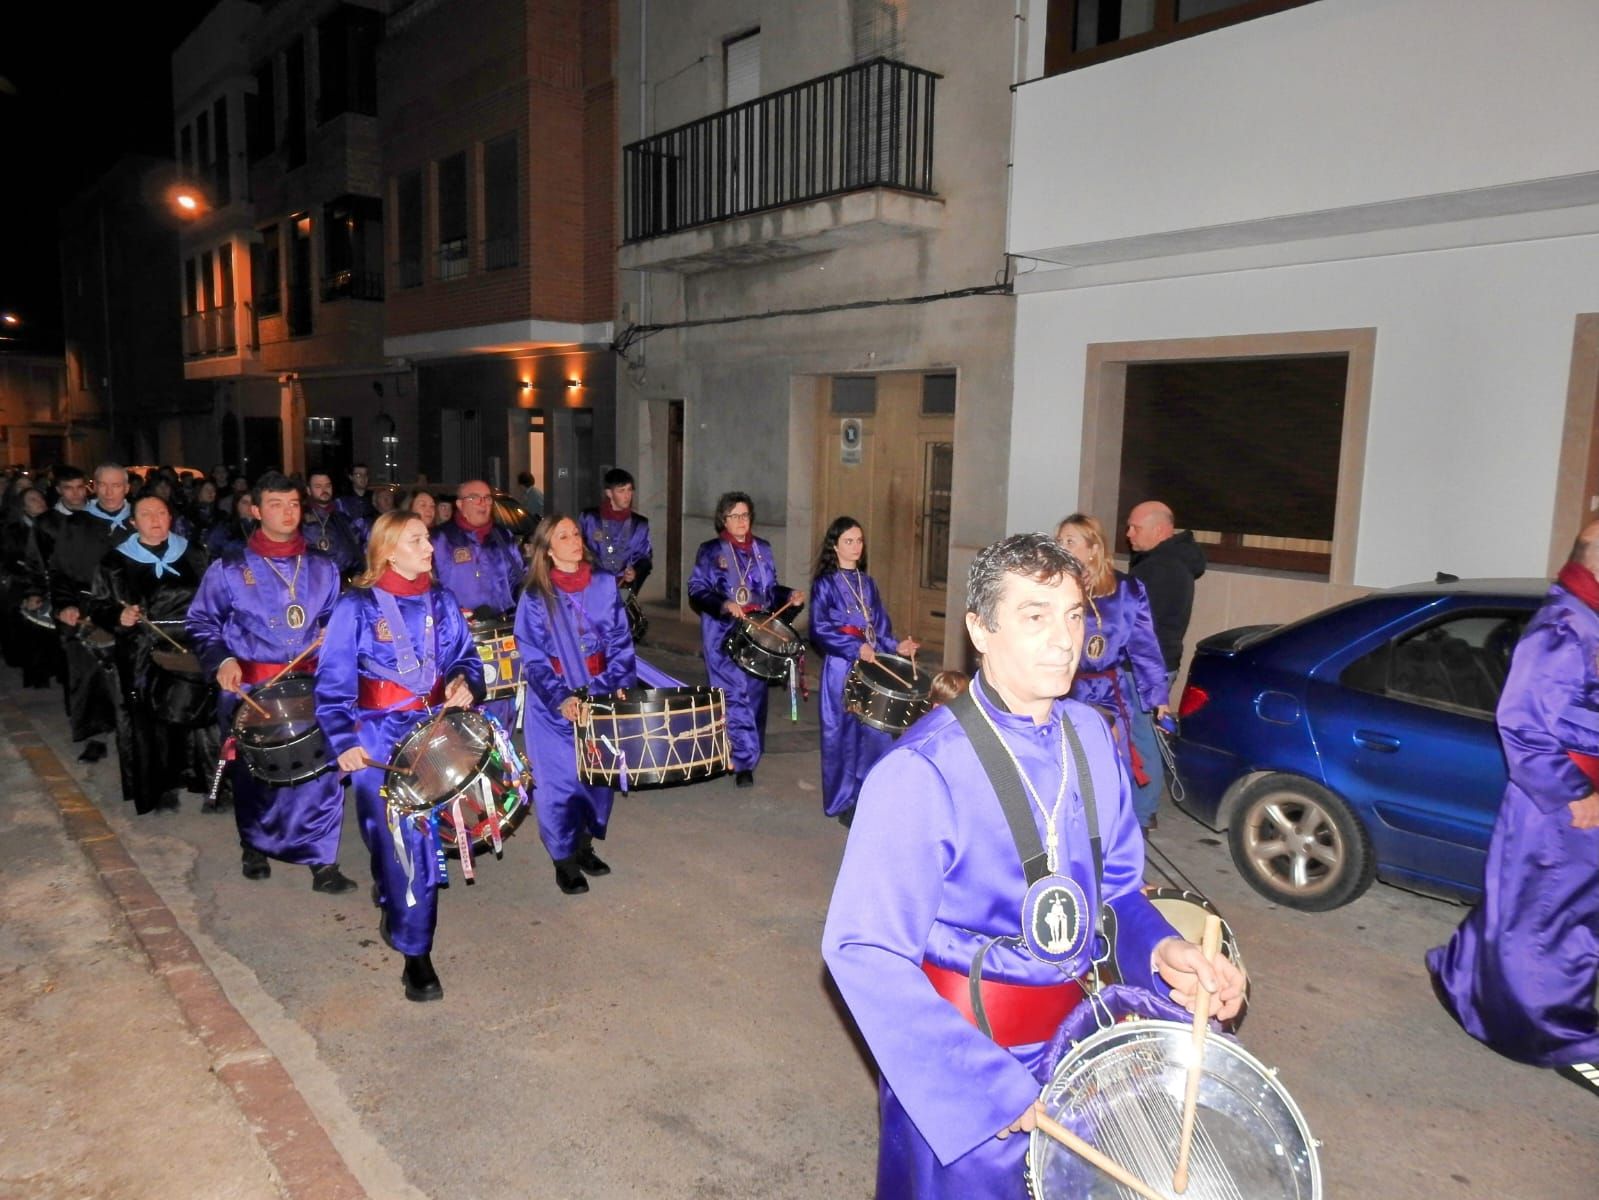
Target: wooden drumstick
[
  {"x": 383, "y": 766},
  {"x": 297, "y": 659},
  {"x": 1209, "y": 945},
  {"x": 1089, "y": 1154},
  {"x": 787, "y": 604},
  {"x": 892, "y": 674},
  {"x": 259, "y": 711}
]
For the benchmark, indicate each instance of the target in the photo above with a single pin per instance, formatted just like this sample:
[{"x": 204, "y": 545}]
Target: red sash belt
[
  {"x": 1588, "y": 764},
  {"x": 1018, "y": 1013},
  {"x": 386, "y": 696},
  {"x": 853, "y": 631},
  {"x": 594, "y": 662},
  {"x": 260, "y": 672}
]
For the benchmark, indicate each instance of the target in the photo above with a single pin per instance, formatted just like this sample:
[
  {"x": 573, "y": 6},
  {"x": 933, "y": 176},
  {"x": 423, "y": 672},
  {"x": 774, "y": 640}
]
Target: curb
[{"x": 308, "y": 1165}]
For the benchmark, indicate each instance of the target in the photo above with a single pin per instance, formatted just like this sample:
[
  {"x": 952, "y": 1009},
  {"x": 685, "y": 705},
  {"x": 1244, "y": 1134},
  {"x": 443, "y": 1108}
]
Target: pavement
[{"x": 174, "y": 1030}]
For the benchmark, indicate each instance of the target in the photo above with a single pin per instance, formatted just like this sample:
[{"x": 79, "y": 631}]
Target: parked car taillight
[{"x": 1194, "y": 699}]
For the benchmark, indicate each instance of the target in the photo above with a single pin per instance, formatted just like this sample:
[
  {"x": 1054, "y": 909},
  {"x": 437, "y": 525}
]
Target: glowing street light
[{"x": 10, "y": 319}]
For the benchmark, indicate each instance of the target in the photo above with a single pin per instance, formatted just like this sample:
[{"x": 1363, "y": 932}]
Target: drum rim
[
  {"x": 451, "y": 716},
  {"x": 858, "y": 668}
]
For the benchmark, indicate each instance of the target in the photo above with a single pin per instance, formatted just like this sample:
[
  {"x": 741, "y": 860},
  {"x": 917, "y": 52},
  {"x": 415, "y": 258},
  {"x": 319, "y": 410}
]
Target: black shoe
[
  {"x": 1584, "y": 1075},
  {"x": 745, "y": 779},
  {"x": 328, "y": 878},
  {"x": 93, "y": 752},
  {"x": 847, "y": 817},
  {"x": 377, "y": 897},
  {"x": 1152, "y": 824},
  {"x": 589, "y": 862},
  {"x": 169, "y": 802},
  {"x": 420, "y": 979},
  {"x": 569, "y": 878},
  {"x": 256, "y": 865}
]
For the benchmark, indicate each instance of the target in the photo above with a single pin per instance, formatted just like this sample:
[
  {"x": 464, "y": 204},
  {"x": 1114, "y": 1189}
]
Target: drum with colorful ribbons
[
  {"x": 764, "y": 646},
  {"x": 654, "y": 737},
  {"x": 459, "y": 777},
  {"x": 502, "y": 661}
]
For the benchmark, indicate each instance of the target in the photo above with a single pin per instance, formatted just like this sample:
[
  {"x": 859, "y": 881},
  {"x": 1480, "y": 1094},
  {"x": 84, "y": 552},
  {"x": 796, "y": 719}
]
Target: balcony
[
  {"x": 211, "y": 332},
  {"x": 353, "y": 285},
  {"x": 840, "y": 159}
]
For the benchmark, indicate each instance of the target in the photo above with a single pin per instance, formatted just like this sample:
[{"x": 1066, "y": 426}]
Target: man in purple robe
[
  {"x": 481, "y": 563},
  {"x": 1519, "y": 974},
  {"x": 259, "y": 608},
  {"x": 329, "y": 530},
  {"x": 935, "y": 889},
  {"x": 618, "y": 537},
  {"x": 357, "y": 506}
]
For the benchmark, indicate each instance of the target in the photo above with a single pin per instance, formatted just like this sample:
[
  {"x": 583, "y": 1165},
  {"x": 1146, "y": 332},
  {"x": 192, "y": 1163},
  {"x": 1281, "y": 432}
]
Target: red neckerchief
[
  {"x": 571, "y": 581},
  {"x": 747, "y": 545},
  {"x": 481, "y": 532},
  {"x": 392, "y": 581},
  {"x": 1579, "y": 581},
  {"x": 607, "y": 513},
  {"x": 267, "y": 548}
]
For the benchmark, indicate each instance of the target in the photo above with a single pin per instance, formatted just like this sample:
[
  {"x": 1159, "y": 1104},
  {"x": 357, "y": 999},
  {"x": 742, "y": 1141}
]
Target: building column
[{"x": 291, "y": 415}]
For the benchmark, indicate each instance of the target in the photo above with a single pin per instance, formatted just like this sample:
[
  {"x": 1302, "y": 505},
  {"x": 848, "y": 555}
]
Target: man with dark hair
[
  {"x": 330, "y": 530},
  {"x": 988, "y": 848},
  {"x": 532, "y": 494},
  {"x": 618, "y": 537},
  {"x": 72, "y": 493},
  {"x": 357, "y": 504},
  {"x": 260, "y": 608},
  {"x": 1519, "y": 973}
]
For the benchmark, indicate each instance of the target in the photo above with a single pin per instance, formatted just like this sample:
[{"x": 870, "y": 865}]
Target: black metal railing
[
  {"x": 500, "y": 252},
  {"x": 354, "y": 285},
  {"x": 452, "y": 259},
  {"x": 211, "y": 331},
  {"x": 870, "y": 125}
]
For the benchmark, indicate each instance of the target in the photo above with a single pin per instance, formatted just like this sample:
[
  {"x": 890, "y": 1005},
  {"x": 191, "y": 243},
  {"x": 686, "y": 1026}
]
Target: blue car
[{"x": 1358, "y": 743}]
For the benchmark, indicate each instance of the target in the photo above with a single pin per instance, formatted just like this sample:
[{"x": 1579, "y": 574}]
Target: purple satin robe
[
  {"x": 353, "y": 649},
  {"x": 930, "y": 872},
  {"x": 617, "y": 545},
  {"x": 1519, "y": 973},
  {"x": 240, "y": 612},
  {"x": 585, "y": 623},
  {"x": 1119, "y": 636},
  {"x": 849, "y": 746},
  {"x": 335, "y": 534},
  {"x": 720, "y": 570},
  {"x": 484, "y": 574}
]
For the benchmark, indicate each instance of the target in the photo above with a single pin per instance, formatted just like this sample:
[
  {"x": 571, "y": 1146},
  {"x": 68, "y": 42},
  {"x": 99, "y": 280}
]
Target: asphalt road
[{"x": 672, "y": 1033}]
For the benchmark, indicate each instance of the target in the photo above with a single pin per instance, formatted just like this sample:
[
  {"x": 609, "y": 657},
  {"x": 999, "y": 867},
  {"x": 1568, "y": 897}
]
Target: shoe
[
  {"x": 169, "y": 802},
  {"x": 377, "y": 897},
  {"x": 745, "y": 779},
  {"x": 420, "y": 979},
  {"x": 589, "y": 862},
  {"x": 569, "y": 878},
  {"x": 1152, "y": 824},
  {"x": 847, "y": 817},
  {"x": 328, "y": 878},
  {"x": 1584, "y": 1075},
  {"x": 256, "y": 865},
  {"x": 93, "y": 752}
]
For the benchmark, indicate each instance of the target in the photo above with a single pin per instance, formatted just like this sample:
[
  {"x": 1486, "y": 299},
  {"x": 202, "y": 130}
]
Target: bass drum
[
  {"x": 655, "y": 737},
  {"x": 181, "y": 693}
]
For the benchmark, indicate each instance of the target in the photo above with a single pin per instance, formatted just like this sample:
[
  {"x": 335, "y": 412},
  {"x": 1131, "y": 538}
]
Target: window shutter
[{"x": 741, "y": 61}]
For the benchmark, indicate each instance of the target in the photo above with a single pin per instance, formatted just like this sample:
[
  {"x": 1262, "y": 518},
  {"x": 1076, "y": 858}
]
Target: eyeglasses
[
  {"x": 475, "y": 496},
  {"x": 737, "y": 516}
]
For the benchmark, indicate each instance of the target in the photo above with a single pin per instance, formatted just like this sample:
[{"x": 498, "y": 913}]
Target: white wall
[
  {"x": 1332, "y": 106},
  {"x": 1473, "y": 356}
]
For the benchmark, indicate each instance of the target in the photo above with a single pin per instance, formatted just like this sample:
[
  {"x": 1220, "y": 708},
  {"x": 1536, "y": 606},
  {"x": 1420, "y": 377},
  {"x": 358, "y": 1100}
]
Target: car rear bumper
[{"x": 1206, "y": 774}]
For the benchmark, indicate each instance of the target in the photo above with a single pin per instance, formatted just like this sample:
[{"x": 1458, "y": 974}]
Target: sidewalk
[{"x": 129, "y": 1074}]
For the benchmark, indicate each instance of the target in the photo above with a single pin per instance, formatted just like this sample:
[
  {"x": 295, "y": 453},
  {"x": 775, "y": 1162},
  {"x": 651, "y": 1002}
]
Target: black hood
[{"x": 1179, "y": 548}]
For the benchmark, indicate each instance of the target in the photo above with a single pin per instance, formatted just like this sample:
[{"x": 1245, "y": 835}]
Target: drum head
[
  {"x": 290, "y": 706},
  {"x": 1121, "y": 1090},
  {"x": 177, "y": 662},
  {"x": 890, "y": 674},
  {"x": 444, "y": 754},
  {"x": 772, "y": 634}
]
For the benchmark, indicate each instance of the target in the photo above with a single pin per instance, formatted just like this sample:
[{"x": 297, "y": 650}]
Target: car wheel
[{"x": 1298, "y": 844}]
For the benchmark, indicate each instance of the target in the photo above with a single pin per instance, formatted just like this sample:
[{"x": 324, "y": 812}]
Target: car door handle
[{"x": 1383, "y": 743}]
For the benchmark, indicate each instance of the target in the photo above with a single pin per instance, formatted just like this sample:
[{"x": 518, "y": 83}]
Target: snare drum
[
  {"x": 1186, "y": 912},
  {"x": 43, "y": 616},
  {"x": 655, "y": 737},
  {"x": 764, "y": 646},
  {"x": 181, "y": 693},
  {"x": 502, "y": 661},
  {"x": 464, "y": 773},
  {"x": 1121, "y": 1090},
  {"x": 286, "y": 746},
  {"x": 637, "y": 624},
  {"x": 889, "y": 694}
]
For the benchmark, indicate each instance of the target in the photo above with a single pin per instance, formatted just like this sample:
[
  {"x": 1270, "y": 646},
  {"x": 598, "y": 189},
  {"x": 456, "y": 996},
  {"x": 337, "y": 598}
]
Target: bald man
[{"x": 1519, "y": 974}]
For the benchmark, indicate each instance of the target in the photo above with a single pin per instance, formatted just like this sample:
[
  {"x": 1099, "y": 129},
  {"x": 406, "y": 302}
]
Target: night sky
[{"x": 84, "y": 85}]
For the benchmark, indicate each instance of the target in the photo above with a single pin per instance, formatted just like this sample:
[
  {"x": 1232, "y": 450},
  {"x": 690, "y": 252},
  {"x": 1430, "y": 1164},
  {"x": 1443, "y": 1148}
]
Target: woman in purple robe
[
  {"x": 1122, "y": 672},
  {"x": 572, "y": 632},
  {"x": 734, "y": 575},
  {"x": 848, "y": 621},
  {"x": 397, "y": 650}
]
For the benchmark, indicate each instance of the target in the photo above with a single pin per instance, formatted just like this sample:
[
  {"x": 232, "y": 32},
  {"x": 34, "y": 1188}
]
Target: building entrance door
[{"x": 885, "y": 453}]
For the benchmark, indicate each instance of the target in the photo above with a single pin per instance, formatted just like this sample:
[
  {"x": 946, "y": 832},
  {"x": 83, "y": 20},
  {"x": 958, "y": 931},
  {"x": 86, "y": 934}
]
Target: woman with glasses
[{"x": 735, "y": 575}]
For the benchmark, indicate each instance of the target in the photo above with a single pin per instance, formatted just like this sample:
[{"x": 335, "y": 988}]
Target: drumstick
[
  {"x": 383, "y": 766},
  {"x": 1210, "y": 944},
  {"x": 296, "y": 660},
  {"x": 259, "y": 711},
  {"x": 173, "y": 642},
  {"x": 787, "y": 604},
  {"x": 1089, "y": 1154},
  {"x": 892, "y": 674}
]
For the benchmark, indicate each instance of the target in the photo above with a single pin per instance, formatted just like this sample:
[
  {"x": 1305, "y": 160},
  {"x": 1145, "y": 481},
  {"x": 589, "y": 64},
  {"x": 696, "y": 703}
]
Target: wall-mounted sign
[{"x": 849, "y": 441}]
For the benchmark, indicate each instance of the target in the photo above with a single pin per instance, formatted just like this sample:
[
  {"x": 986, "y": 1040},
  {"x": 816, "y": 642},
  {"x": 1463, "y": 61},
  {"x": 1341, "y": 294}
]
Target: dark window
[
  {"x": 1458, "y": 664},
  {"x": 224, "y": 326},
  {"x": 191, "y": 286},
  {"x": 186, "y": 150},
  {"x": 1081, "y": 32},
  {"x": 262, "y": 129},
  {"x": 299, "y": 274},
  {"x": 352, "y": 244},
  {"x": 347, "y": 55},
  {"x": 267, "y": 268},
  {"x": 208, "y": 279},
  {"x": 938, "y": 395},
  {"x": 204, "y": 163},
  {"x": 500, "y": 196},
  {"x": 938, "y": 476},
  {"x": 854, "y": 395},
  {"x": 408, "y": 234},
  {"x": 222, "y": 185},
  {"x": 452, "y": 217},
  {"x": 294, "y": 103},
  {"x": 1245, "y": 451}
]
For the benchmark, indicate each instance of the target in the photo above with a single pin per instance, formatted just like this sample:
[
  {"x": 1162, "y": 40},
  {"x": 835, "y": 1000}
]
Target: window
[
  {"x": 741, "y": 68},
  {"x": 1082, "y": 32},
  {"x": 204, "y": 164},
  {"x": 854, "y": 395},
  {"x": 938, "y": 395},
  {"x": 347, "y": 56},
  {"x": 299, "y": 272},
  {"x": 500, "y": 203},
  {"x": 222, "y": 182},
  {"x": 452, "y": 217},
  {"x": 879, "y": 28},
  {"x": 225, "y": 327},
  {"x": 261, "y": 118},
  {"x": 1458, "y": 664},
  {"x": 352, "y": 247},
  {"x": 408, "y": 236},
  {"x": 266, "y": 267},
  {"x": 1245, "y": 452},
  {"x": 294, "y": 103},
  {"x": 186, "y": 150}
]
